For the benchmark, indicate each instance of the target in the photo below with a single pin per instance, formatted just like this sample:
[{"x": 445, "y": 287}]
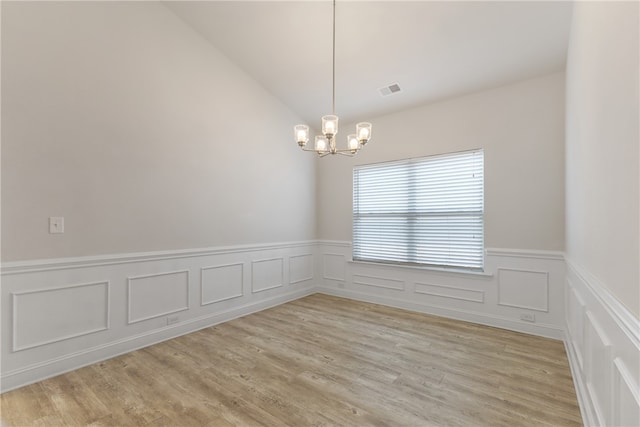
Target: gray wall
[
  {"x": 603, "y": 177},
  {"x": 520, "y": 127},
  {"x": 123, "y": 120}
]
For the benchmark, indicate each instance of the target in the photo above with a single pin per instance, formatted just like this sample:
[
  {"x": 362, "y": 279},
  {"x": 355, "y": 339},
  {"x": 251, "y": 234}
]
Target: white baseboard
[{"x": 549, "y": 331}]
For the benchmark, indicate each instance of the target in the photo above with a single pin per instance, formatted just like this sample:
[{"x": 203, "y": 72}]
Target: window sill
[{"x": 430, "y": 269}]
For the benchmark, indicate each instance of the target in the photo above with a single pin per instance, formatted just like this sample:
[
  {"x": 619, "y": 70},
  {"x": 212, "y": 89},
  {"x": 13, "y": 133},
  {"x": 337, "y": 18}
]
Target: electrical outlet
[
  {"x": 528, "y": 317},
  {"x": 172, "y": 319}
]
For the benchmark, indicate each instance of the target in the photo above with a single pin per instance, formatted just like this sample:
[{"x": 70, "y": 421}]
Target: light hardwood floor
[{"x": 317, "y": 361}]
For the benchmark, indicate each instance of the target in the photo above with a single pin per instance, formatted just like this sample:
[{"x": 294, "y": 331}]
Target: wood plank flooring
[{"x": 317, "y": 361}]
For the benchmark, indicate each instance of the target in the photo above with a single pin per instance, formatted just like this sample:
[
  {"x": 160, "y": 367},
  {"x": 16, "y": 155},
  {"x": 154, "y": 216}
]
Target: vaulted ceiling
[{"x": 431, "y": 49}]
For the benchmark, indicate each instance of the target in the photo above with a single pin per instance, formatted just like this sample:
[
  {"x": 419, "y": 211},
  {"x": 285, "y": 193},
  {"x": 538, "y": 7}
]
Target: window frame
[{"x": 412, "y": 217}]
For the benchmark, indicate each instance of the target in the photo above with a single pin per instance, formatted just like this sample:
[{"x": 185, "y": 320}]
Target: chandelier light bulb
[
  {"x": 330, "y": 125},
  {"x": 321, "y": 144},
  {"x": 301, "y": 133},
  {"x": 352, "y": 143},
  {"x": 364, "y": 132}
]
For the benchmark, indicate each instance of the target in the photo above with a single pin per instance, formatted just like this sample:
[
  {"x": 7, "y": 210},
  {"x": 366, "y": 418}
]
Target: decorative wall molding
[
  {"x": 21, "y": 267},
  {"x": 576, "y": 310},
  {"x": 618, "y": 312},
  {"x": 221, "y": 283},
  {"x": 301, "y": 268},
  {"x": 453, "y": 292},
  {"x": 603, "y": 350},
  {"x": 267, "y": 274},
  {"x": 598, "y": 380},
  {"x": 156, "y": 295},
  {"x": 53, "y": 315},
  {"x": 625, "y": 400},
  {"x": 427, "y": 270},
  {"x": 333, "y": 266},
  {"x": 526, "y": 289},
  {"x": 378, "y": 282},
  {"x": 336, "y": 243}
]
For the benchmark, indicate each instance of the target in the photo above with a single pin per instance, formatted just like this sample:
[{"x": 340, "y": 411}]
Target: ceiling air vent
[{"x": 391, "y": 89}]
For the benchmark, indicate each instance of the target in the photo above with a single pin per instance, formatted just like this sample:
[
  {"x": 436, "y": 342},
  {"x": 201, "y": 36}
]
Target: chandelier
[{"x": 326, "y": 143}]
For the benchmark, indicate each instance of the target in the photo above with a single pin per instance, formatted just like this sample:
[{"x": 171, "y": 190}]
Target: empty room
[{"x": 320, "y": 213}]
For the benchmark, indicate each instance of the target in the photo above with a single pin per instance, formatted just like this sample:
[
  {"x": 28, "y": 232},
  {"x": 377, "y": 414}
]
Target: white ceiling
[{"x": 432, "y": 49}]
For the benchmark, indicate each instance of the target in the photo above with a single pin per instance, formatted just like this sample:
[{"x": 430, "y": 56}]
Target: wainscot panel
[
  {"x": 523, "y": 289},
  {"x": 603, "y": 345},
  {"x": 301, "y": 268},
  {"x": 156, "y": 295},
  {"x": 45, "y": 316},
  {"x": 59, "y": 315},
  {"x": 334, "y": 266},
  {"x": 221, "y": 282},
  {"x": 453, "y": 292},
  {"x": 267, "y": 274}
]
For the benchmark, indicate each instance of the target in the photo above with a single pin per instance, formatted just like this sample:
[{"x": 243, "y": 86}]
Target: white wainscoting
[
  {"x": 514, "y": 283},
  {"x": 59, "y": 315},
  {"x": 603, "y": 345}
]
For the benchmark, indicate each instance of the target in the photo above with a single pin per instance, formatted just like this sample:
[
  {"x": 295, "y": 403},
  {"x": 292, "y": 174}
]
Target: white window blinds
[{"x": 426, "y": 211}]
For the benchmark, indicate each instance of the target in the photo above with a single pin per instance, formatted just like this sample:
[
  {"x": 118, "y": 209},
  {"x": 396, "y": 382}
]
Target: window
[{"x": 427, "y": 211}]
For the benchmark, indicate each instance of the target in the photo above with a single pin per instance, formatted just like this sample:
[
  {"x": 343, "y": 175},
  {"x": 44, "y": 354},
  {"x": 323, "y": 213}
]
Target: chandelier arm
[{"x": 345, "y": 153}]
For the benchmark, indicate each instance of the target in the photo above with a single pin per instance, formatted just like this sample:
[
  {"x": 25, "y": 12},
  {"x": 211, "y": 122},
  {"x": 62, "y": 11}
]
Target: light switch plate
[{"x": 56, "y": 224}]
